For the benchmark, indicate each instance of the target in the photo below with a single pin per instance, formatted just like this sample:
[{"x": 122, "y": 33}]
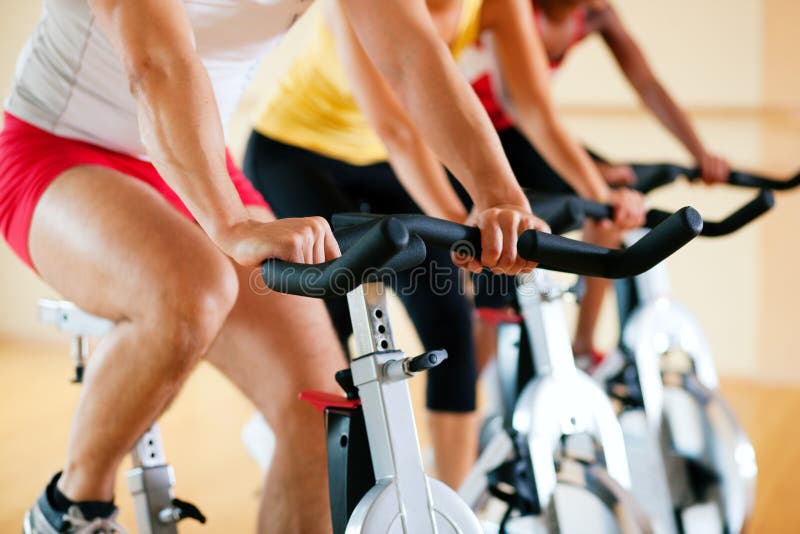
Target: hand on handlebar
[
  {"x": 617, "y": 175},
  {"x": 308, "y": 240},
  {"x": 629, "y": 208},
  {"x": 713, "y": 169},
  {"x": 500, "y": 228}
]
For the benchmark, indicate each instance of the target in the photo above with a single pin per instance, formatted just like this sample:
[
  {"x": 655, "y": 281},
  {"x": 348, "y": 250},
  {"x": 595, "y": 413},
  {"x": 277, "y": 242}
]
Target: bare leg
[
  {"x": 455, "y": 444},
  {"x": 273, "y": 347},
  {"x": 114, "y": 247},
  {"x": 485, "y": 342},
  {"x": 596, "y": 289}
]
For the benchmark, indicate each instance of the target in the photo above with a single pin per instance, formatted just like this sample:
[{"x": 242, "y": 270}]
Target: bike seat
[
  {"x": 494, "y": 316},
  {"x": 322, "y": 400}
]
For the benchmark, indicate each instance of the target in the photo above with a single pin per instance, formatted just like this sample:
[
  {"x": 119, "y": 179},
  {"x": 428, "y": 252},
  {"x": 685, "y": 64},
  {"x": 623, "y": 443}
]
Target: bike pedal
[{"x": 181, "y": 510}]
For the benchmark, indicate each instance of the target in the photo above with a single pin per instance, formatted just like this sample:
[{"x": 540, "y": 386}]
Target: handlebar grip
[
  {"x": 596, "y": 210},
  {"x": 432, "y": 231},
  {"x": 557, "y": 253},
  {"x": 650, "y": 176},
  {"x": 379, "y": 244},
  {"x": 750, "y": 180},
  {"x": 561, "y": 212},
  {"x": 340, "y": 221},
  {"x": 761, "y": 204}
]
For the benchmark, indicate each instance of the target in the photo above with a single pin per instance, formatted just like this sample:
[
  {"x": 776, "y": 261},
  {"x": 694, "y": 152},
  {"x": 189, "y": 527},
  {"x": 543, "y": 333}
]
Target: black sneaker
[{"x": 42, "y": 518}]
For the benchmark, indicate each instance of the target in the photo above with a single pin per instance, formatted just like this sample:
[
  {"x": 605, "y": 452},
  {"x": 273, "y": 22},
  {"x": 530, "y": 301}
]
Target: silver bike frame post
[
  {"x": 584, "y": 406},
  {"x": 543, "y": 313},
  {"x": 388, "y": 414},
  {"x": 150, "y": 482}
]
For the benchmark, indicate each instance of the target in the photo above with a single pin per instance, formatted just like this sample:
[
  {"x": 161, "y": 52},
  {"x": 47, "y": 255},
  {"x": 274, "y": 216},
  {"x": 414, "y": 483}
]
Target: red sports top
[{"x": 486, "y": 87}]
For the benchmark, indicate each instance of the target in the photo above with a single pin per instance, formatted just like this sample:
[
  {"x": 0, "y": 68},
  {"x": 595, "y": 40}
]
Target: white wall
[{"x": 708, "y": 52}]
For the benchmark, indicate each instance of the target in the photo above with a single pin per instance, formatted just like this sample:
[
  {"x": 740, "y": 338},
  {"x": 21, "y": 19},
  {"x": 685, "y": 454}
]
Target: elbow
[
  {"x": 396, "y": 135},
  {"x": 148, "y": 71}
]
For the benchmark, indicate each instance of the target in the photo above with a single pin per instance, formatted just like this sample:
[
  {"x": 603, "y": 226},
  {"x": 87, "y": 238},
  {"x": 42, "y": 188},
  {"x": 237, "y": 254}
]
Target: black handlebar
[
  {"x": 761, "y": 204},
  {"x": 562, "y": 213},
  {"x": 653, "y": 176},
  {"x": 560, "y": 254},
  {"x": 373, "y": 242},
  {"x": 375, "y": 246}
]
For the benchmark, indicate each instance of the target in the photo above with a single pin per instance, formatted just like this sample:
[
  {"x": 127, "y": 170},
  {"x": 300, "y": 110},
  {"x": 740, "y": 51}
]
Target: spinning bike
[
  {"x": 692, "y": 463},
  {"x": 553, "y": 445},
  {"x": 377, "y": 482},
  {"x": 151, "y": 480}
]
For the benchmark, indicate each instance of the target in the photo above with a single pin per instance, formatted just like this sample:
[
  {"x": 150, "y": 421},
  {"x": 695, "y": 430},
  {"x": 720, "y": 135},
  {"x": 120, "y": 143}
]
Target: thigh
[
  {"x": 274, "y": 346},
  {"x": 115, "y": 247}
]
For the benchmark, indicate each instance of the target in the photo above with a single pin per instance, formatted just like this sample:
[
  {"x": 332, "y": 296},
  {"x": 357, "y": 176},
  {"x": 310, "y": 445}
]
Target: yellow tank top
[{"x": 312, "y": 105}]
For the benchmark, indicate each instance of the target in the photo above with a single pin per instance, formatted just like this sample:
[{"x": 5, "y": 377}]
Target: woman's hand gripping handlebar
[
  {"x": 372, "y": 242},
  {"x": 562, "y": 204},
  {"x": 652, "y": 176},
  {"x": 557, "y": 253}
]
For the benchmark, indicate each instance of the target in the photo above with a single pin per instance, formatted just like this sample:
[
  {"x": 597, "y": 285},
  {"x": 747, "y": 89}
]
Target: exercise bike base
[{"x": 379, "y": 512}]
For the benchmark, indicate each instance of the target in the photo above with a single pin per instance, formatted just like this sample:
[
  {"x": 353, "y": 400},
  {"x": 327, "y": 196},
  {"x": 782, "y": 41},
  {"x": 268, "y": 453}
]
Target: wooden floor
[{"x": 201, "y": 432}]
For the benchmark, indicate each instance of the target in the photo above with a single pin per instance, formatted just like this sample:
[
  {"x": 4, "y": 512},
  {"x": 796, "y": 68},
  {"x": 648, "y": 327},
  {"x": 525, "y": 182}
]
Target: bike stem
[{"x": 388, "y": 413}]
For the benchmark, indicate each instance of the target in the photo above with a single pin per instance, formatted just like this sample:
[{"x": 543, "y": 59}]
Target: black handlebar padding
[
  {"x": 651, "y": 176},
  {"x": 561, "y": 212},
  {"x": 763, "y": 202},
  {"x": 409, "y": 257},
  {"x": 379, "y": 244},
  {"x": 340, "y": 221},
  {"x": 596, "y": 210},
  {"x": 561, "y": 254},
  {"x": 749, "y": 180},
  {"x": 433, "y": 231}
]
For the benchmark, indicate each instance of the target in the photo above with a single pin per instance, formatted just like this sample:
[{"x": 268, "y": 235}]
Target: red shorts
[{"x": 31, "y": 159}]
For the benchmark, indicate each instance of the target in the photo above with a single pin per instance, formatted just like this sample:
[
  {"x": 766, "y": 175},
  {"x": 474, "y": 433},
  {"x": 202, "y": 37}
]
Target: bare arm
[
  {"x": 417, "y": 167},
  {"x": 633, "y": 64},
  {"x": 523, "y": 60},
  {"x": 180, "y": 126},
  {"x": 401, "y": 41}
]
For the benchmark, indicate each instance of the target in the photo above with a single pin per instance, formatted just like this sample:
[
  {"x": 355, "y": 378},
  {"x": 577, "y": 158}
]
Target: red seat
[
  {"x": 321, "y": 400},
  {"x": 495, "y": 316}
]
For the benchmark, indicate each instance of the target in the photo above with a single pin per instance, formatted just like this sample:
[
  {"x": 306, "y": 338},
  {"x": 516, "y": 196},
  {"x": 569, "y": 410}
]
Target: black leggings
[{"x": 300, "y": 183}]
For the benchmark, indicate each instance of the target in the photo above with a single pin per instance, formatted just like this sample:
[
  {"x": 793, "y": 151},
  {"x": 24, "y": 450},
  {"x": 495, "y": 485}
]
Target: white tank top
[{"x": 70, "y": 81}]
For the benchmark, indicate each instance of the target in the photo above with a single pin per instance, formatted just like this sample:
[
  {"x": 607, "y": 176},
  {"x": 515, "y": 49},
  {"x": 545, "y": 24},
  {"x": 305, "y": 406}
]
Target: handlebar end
[
  {"x": 767, "y": 197},
  {"x": 692, "y": 219}
]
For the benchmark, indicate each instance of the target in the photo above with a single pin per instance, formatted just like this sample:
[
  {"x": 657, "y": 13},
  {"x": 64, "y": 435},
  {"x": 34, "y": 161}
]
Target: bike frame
[
  {"x": 404, "y": 498},
  {"x": 654, "y": 326}
]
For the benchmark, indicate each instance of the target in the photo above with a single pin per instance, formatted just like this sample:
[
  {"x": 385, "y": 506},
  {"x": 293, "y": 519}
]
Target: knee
[{"x": 192, "y": 310}]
